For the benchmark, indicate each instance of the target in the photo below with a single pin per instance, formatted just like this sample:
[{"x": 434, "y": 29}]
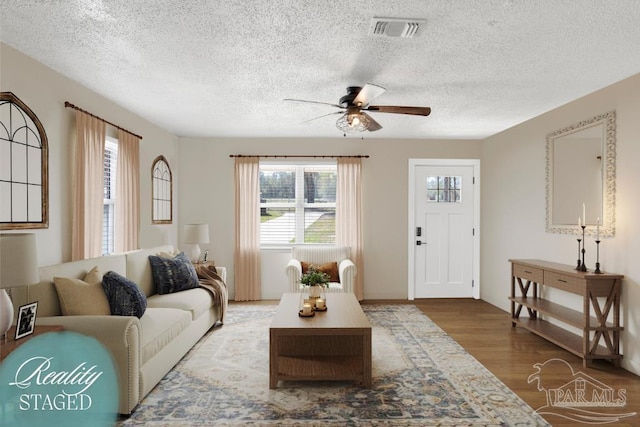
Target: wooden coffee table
[{"x": 332, "y": 345}]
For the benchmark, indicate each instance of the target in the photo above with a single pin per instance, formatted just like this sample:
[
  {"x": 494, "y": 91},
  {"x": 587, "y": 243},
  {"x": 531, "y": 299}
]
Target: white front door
[{"x": 444, "y": 232}]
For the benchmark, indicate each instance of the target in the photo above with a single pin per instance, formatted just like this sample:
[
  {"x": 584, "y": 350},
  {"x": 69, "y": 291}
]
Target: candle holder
[
  {"x": 583, "y": 266},
  {"x": 320, "y": 304},
  {"x": 579, "y": 263},
  {"x": 597, "y": 270},
  {"x": 305, "y": 309}
]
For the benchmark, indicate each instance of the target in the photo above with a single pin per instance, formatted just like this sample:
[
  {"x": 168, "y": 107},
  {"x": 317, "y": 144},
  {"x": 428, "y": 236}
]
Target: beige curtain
[
  {"x": 349, "y": 214},
  {"x": 127, "y": 221},
  {"x": 247, "y": 229},
  {"x": 87, "y": 188}
]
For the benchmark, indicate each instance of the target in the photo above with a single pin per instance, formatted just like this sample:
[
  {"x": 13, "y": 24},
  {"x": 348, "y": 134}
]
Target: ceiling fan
[{"x": 355, "y": 105}]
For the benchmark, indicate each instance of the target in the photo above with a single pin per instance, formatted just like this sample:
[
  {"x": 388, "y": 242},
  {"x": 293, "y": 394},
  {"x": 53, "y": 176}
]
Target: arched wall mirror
[
  {"x": 581, "y": 170},
  {"x": 162, "y": 192},
  {"x": 24, "y": 176}
]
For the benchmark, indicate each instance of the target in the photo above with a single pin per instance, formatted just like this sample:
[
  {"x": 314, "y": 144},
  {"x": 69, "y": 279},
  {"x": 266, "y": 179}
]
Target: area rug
[{"x": 421, "y": 376}]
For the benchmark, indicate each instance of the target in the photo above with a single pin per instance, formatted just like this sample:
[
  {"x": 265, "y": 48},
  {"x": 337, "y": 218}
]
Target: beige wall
[
  {"x": 206, "y": 193},
  {"x": 45, "y": 92},
  {"x": 513, "y": 205}
]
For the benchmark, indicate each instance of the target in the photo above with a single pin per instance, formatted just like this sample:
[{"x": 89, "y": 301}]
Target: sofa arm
[
  {"x": 222, "y": 272},
  {"x": 294, "y": 272},
  {"x": 122, "y": 336},
  {"x": 347, "y": 271}
]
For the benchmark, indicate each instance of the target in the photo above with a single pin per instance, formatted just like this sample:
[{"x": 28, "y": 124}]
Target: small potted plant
[{"x": 315, "y": 280}]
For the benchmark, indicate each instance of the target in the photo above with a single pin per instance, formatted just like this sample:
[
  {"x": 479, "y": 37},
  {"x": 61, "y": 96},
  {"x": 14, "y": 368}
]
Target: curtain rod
[
  {"x": 67, "y": 104},
  {"x": 286, "y": 156}
]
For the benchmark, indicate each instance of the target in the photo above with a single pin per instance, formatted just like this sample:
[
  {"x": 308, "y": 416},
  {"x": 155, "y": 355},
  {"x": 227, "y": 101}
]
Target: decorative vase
[{"x": 314, "y": 291}]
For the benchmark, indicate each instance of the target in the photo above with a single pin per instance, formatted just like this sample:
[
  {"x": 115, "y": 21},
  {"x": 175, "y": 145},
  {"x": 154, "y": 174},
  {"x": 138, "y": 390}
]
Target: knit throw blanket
[{"x": 211, "y": 281}]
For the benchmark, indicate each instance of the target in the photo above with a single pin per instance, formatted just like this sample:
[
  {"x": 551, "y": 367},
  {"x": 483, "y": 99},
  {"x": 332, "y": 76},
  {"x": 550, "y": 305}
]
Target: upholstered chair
[{"x": 319, "y": 255}]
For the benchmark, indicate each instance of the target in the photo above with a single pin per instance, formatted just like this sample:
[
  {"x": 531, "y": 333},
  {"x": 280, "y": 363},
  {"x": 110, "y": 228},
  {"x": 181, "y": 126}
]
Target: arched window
[
  {"x": 162, "y": 192},
  {"x": 24, "y": 188}
]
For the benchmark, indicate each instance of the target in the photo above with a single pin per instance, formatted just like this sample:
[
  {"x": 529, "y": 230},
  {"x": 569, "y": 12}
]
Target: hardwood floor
[{"x": 511, "y": 353}]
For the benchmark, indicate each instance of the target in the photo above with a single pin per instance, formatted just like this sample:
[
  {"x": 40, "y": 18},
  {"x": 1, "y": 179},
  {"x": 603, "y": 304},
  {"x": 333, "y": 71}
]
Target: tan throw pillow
[
  {"x": 93, "y": 276},
  {"x": 82, "y": 297},
  {"x": 331, "y": 268}
]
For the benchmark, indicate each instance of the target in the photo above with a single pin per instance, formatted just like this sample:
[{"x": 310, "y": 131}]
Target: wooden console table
[
  {"x": 600, "y": 338},
  {"x": 11, "y": 343}
]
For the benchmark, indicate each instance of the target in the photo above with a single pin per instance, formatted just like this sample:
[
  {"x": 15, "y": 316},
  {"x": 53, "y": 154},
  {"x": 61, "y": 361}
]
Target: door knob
[{"x": 419, "y": 243}]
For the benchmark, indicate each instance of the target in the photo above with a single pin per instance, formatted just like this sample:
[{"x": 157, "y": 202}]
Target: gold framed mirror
[
  {"x": 162, "y": 192},
  {"x": 581, "y": 171},
  {"x": 24, "y": 176}
]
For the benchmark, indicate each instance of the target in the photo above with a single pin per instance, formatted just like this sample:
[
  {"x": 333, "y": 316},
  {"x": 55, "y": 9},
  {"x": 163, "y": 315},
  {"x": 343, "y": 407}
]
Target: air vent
[{"x": 395, "y": 27}]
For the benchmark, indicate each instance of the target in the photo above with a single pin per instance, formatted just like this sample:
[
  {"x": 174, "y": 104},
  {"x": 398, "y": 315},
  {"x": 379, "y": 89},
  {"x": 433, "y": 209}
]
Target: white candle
[
  {"x": 584, "y": 215},
  {"x": 598, "y": 228},
  {"x": 320, "y": 303},
  {"x": 306, "y": 309},
  {"x": 579, "y": 222}
]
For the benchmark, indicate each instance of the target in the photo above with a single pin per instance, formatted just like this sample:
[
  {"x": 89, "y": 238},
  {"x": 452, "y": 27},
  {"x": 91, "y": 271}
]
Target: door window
[{"x": 444, "y": 189}]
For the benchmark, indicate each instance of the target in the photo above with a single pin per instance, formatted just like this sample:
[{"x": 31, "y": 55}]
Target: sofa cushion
[
  {"x": 173, "y": 274},
  {"x": 159, "y": 327},
  {"x": 330, "y": 268},
  {"x": 82, "y": 297},
  {"x": 195, "y": 301},
  {"x": 125, "y": 298}
]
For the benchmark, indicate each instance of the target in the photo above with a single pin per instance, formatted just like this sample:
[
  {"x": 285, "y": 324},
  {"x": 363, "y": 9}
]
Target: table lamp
[
  {"x": 18, "y": 267},
  {"x": 196, "y": 234}
]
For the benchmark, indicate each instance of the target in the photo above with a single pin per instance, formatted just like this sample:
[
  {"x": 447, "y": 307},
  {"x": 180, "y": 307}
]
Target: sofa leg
[{"x": 122, "y": 417}]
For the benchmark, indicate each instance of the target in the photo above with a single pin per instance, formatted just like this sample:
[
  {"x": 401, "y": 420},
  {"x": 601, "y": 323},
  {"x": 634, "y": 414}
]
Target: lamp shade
[
  {"x": 353, "y": 122},
  {"x": 196, "y": 233},
  {"x": 18, "y": 260}
]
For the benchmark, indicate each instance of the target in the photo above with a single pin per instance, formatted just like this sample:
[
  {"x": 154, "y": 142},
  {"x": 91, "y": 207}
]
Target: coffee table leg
[
  {"x": 273, "y": 359},
  {"x": 366, "y": 358}
]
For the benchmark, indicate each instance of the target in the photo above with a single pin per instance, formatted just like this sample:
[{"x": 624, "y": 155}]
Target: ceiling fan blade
[
  {"x": 313, "y": 102},
  {"x": 414, "y": 111},
  {"x": 367, "y": 94},
  {"x": 373, "y": 125},
  {"x": 324, "y": 115}
]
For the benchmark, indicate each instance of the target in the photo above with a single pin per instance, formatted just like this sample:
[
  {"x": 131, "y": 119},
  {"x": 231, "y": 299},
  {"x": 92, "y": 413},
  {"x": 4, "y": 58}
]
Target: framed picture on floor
[{"x": 26, "y": 320}]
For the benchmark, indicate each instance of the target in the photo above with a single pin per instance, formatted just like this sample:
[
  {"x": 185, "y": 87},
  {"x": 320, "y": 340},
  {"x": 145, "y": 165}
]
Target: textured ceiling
[{"x": 222, "y": 68}]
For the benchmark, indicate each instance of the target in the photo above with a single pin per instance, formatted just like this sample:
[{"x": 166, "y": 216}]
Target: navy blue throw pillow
[
  {"x": 173, "y": 274},
  {"x": 125, "y": 297}
]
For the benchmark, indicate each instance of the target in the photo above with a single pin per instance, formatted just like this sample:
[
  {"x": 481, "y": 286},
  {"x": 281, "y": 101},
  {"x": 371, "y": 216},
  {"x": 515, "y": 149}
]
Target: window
[
  {"x": 108, "y": 216},
  {"x": 444, "y": 189},
  {"x": 297, "y": 203}
]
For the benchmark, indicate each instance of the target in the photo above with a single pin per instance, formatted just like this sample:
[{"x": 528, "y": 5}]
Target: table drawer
[
  {"x": 562, "y": 281},
  {"x": 530, "y": 273}
]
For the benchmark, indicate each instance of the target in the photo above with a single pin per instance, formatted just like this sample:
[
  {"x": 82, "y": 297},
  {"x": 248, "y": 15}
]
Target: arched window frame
[
  {"x": 15, "y": 117},
  {"x": 161, "y": 192}
]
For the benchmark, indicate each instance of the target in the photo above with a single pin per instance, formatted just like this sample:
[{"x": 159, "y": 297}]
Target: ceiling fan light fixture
[{"x": 353, "y": 122}]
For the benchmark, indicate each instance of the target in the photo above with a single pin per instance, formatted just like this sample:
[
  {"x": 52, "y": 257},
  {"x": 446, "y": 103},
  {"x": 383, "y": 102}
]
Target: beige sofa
[{"x": 144, "y": 349}]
